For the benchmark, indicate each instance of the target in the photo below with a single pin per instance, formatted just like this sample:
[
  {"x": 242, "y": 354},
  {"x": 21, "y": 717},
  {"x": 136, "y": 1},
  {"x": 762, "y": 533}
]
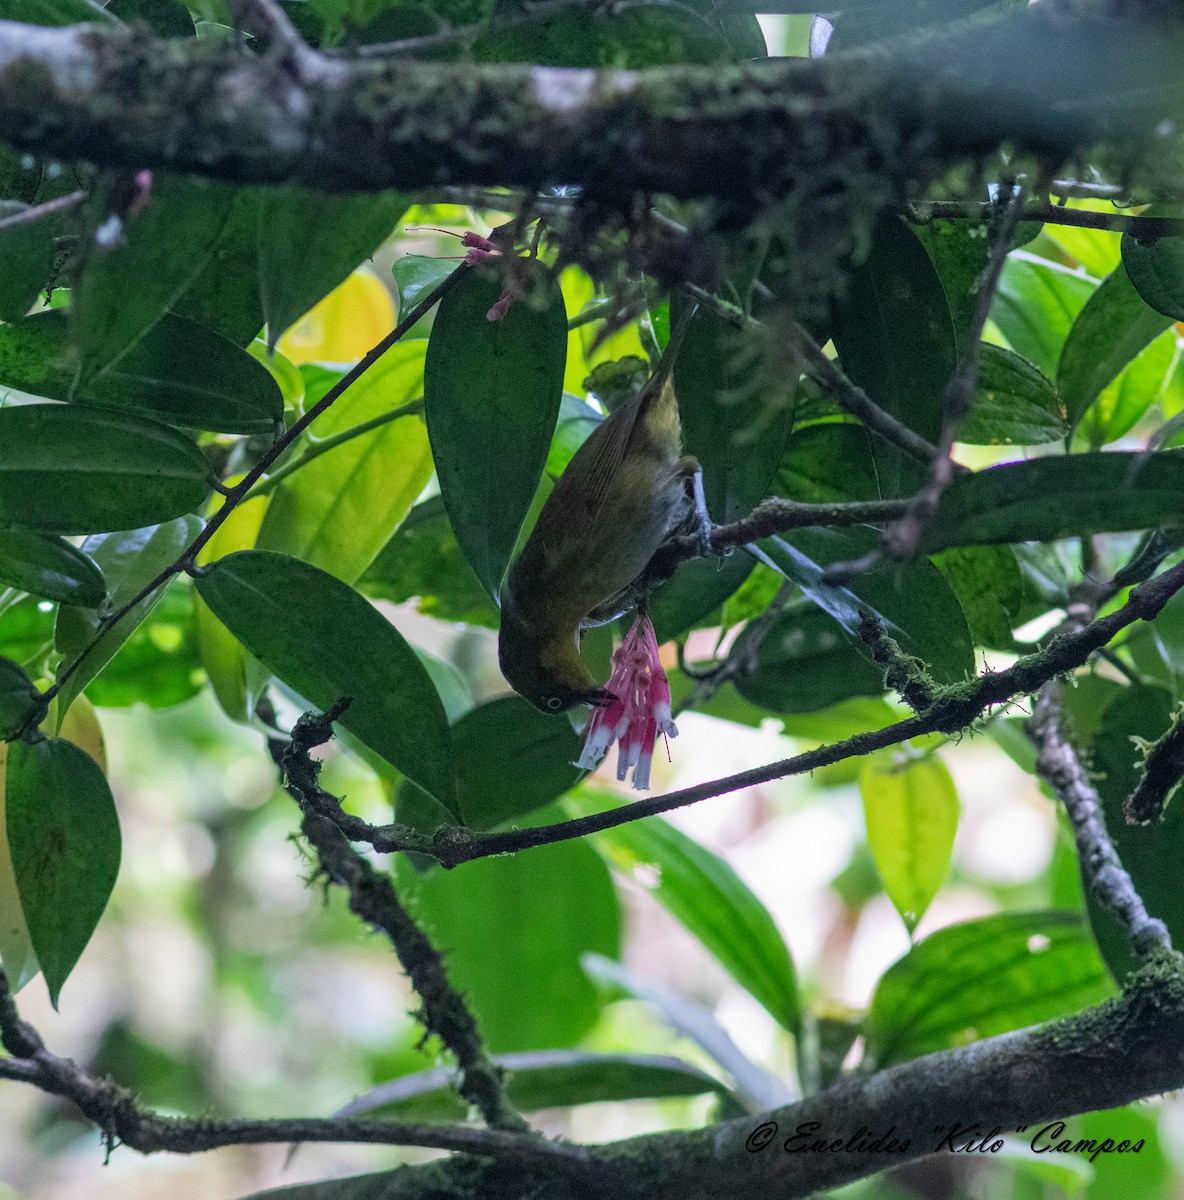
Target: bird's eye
[{"x": 553, "y": 703}]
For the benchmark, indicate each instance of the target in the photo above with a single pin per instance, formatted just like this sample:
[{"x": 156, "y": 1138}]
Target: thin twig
[
  {"x": 188, "y": 557},
  {"x": 743, "y": 654},
  {"x": 28, "y": 215},
  {"x": 1143, "y": 228},
  {"x": 954, "y": 709},
  {"x": 903, "y": 538},
  {"x": 373, "y": 898},
  {"x": 116, "y": 1113},
  {"x": 1059, "y": 766},
  {"x": 828, "y": 376},
  {"x": 315, "y": 449}
]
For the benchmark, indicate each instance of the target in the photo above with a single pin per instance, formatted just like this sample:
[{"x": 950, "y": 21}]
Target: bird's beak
[{"x": 598, "y": 697}]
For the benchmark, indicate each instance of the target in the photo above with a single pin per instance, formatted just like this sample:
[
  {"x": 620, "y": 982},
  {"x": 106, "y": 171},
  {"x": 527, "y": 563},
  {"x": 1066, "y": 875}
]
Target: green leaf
[
  {"x": 66, "y": 469},
  {"x": 990, "y": 589},
  {"x": 698, "y": 588},
  {"x": 859, "y": 24},
  {"x": 224, "y": 295},
  {"x": 1123, "y": 402},
  {"x": 732, "y": 425},
  {"x": 1109, "y": 332},
  {"x": 912, "y": 601},
  {"x": 320, "y": 637},
  {"x": 63, "y": 832},
  {"x": 49, "y": 567},
  {"x": 27, "y": 253},
  {"x": 19, "y": 699},
  {"x": 1156, "y": 269},
  {"x": 806, "y": 661},
  {"x": 981, "y": 978},
  {"x": 912, "y": 811},
  {"x": 423, "y": 561},
  {"x": 178, "y": 372},
  {"x": 129, "y": 560},
  {"x": 415, "y": 275},
  {"x": 166, "y": 18},
  {"x": 541, "y": 1079},
  {"x": 505, "y": 923},
  {"x": 16, "y": 948},
  {"x": 896, "y": 338},
  {"x": 26, "y": 634},
  {"x": 510, "y": 760},
  {"x": 1014, "y": 405},
  {"x": 158, "y": 664},
  {"x": 55, "y": 12},
  {"x": 222, "y": 655},
  {"x": 1048, "y": 498},
  {"x": 124, "y": 288},
  {"x": 1035, "y": 305},
  {"x": 708, "y": 898},
  {"x": 20, "y": 174},
  {"x": 333, "y": 234},
  {"x": 492, "y": 392},
  {"x": 825, "y": 463},
  {"x": 340, "y": 509}
]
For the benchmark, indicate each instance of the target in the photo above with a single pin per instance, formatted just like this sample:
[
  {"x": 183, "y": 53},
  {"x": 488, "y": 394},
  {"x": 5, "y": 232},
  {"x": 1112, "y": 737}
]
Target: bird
[{"x": 594, "y": 551}]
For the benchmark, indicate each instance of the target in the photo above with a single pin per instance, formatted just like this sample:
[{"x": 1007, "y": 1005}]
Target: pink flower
[
  {"x": 638, "y": 712},
  {"x": 502, "y": 305}
]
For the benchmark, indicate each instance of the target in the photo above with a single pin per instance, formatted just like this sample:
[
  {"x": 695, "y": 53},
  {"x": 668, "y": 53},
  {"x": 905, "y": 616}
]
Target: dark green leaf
[
  {"x": 990, "y": 588},
  {"x": 1013, "y": 403},
  {"x": 698, "y": 588},
  {"x": 66, "y": 469},
  {"x": 896, "y": 339},
  {"x": 20, "y": 701},
  {"x": 1149, "y": 852},
  {"x": 166, "y": 18},
  {"x": 825, "y": 463},
  {"x": 320, "y": 637},
  {"x": 422, "y": 560},
  {"x": 492, "y": 392},
  {"x": 224, "y": 293},
  {"x": 339, "y": 510},
  {"x": 63, "y": 832},
  {"x": 54, "y": 12},
  {"x": 1109, "y": 332},
  {"x": 26, "y": 633},
  {"x": 158, "y": 665},
  {"x": 49, "y": 567},
  {"x": 1049, "y": 498},
  {"x": 27, "y": 254},
  {"x": 912, "y": 601},
  {"x": 805, "y": 662},
  {"x": 709, "y": 899},
  {"x": 737, "y": 432},
  {"x": 510, "y": 760},
  {"x": 981, "y": 978},
  {"x": 505, "y": 923},
  {"x": 1035, "y": 305},
  {"x": 20, "y": 174},
  {"x": 178, "y": 372},
  {"x": 129, "y": 559},
  {"x": 1156, "y": 269},
  {"x": 541, "y": 1079},
  {"x": 334, "y": 233},
  {"x": 125, "y": 288}
]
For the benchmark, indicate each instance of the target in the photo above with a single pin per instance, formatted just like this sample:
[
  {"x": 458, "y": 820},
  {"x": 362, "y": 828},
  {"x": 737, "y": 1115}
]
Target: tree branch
[
  {"x": 1040, "y": 80},
  {"x": 373, "y": 898},
  {"x": 952, "y": 710},
  {"x": 116, "y": 1113}
]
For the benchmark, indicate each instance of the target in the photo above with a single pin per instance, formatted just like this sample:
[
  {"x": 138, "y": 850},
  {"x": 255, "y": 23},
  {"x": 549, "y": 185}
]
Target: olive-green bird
[{"x": 590, "y": 557}]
